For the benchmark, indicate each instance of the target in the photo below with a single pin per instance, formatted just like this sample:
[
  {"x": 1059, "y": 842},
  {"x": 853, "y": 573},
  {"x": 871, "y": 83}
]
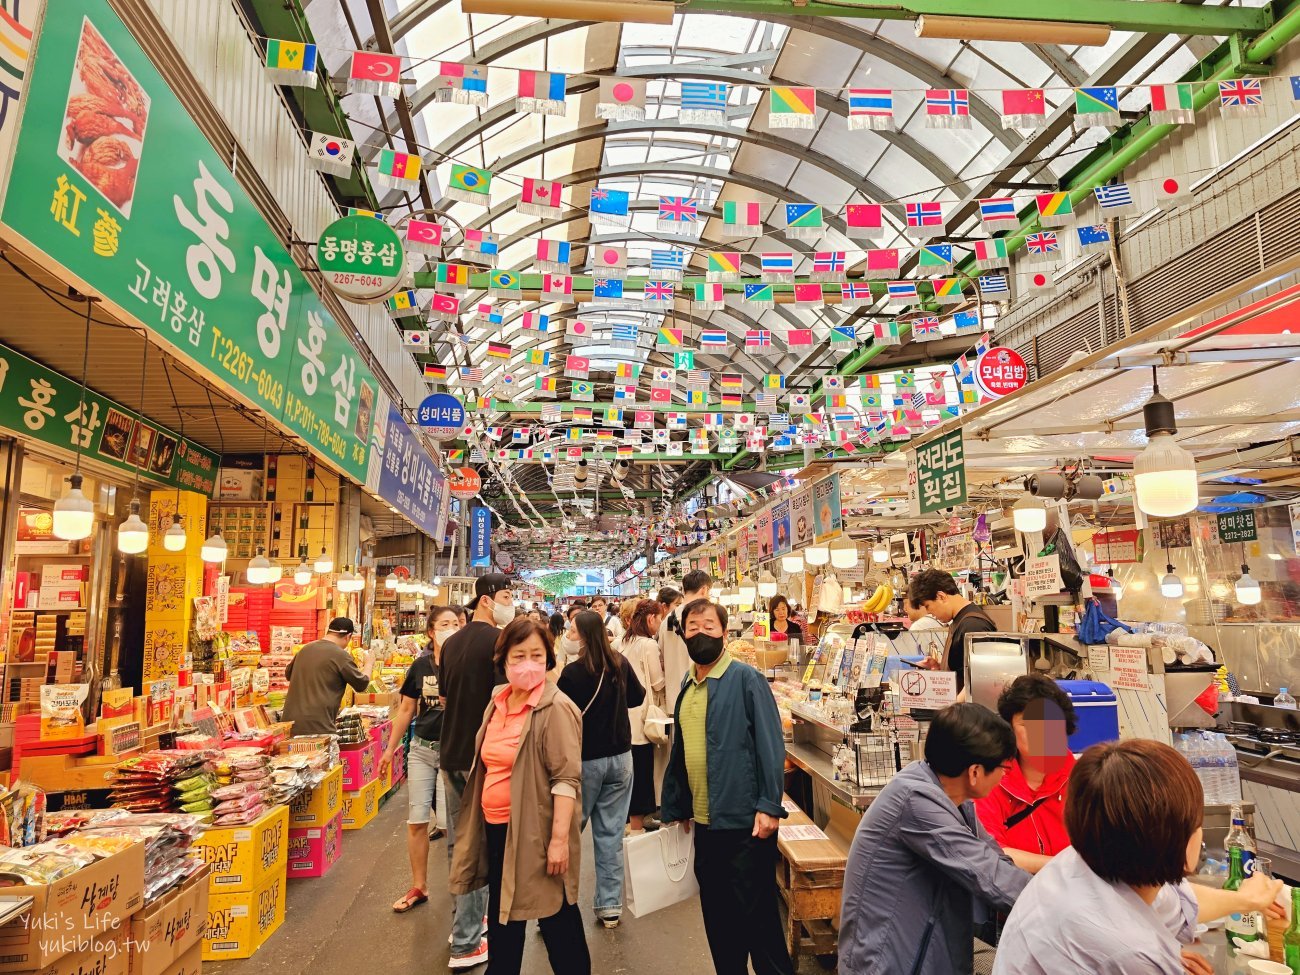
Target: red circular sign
[
  {"x": 1000, "y": 371},
  {"x": 465, "y": 483}
]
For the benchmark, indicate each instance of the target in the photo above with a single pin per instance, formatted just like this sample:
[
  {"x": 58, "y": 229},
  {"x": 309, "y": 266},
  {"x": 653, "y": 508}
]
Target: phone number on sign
[
  {"x": 239, "y": 364},
  {"x": 346, "y": 278}
]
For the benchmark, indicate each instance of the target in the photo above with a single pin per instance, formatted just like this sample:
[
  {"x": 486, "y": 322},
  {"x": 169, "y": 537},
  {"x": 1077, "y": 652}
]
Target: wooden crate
[{"x": 810, "y": 876}]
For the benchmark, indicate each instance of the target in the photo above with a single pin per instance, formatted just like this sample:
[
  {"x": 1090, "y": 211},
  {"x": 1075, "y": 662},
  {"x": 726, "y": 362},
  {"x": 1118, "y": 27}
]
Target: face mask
[
  {"x": 503, "y": 613},
  {"x": 440, "y": 636},
  {"x": 526, "y": 674},
  {"x": 704, "y": 649},
  {"x": 570, "y": 646}
]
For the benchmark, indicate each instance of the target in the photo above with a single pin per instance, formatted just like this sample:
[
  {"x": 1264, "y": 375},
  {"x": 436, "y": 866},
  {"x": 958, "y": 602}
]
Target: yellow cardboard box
[
  {"x": 319, "y": 805},
  {"x": 359, "y": 808},
  {"x": 242, "y": 857},
  {"x": 240, "y": 921},
  {"x": 169, "y": 927}
]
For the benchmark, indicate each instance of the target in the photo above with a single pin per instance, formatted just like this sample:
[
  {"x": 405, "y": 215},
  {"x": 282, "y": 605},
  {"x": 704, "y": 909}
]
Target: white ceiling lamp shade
[
  {"x": 133, "y": 533},
  {"x": 1028, "y": 514},
  {"x": 844, "y": 553},
  {"x": 324, "y": 564},
  {"x": 746, "y": 590},
  {"x": 1164, "y": 474},
  {"x": 391, "y": 581},
  {"x": 349, "y": 581},
  {"x": 767, "y": 584},
  {"x": 174, "y": 537},
  {"x": 259, "y": 568},
  {"x": 1170, "y": 585},
  {"x": 880, "y": 553},
  {"x": 276, "y": 572},
  {"x": 214, "y": 549},
  {"x": 792, "y": 563},
  {"x": 303, "y": 573},
  {"x": 74, "y": 515},
  {"x": 1247, "y": 588},
  {"x": 817, "y": 554}
]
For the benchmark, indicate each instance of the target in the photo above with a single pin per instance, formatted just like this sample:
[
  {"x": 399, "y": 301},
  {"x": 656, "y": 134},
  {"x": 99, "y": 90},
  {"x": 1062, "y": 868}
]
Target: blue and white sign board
[
  {"x": 409, "y": 479},
  {"x": 480, "y": 537},
  {"x": 442, "y": 415}
]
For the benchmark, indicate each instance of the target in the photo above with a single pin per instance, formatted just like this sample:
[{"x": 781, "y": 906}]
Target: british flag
[
  {"x": 828, "y": 262},
  {"x": 1242, "y": 93},
  {"x": 926, "y": 327},
  {"x": 658, "y": 291},
  {"x": 678, "y": 209},
  {"x": 1044, "y": 242},
  {"x": 924, "y": 214}
]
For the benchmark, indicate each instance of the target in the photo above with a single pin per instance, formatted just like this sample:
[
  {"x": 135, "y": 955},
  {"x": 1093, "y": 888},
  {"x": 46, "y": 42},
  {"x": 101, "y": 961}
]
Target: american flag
[
  {"x": 713, "y": 338},
  {"x": 667, "y": 260},
  {"x": 828, "y": 262},
  {"x": 947, "y": 101},
  {"x": 926, "y": 327},
  {"x": 924, "y": 214},
  {"x": 994, "y": 284},
  {"x": 678, "y": 209},
  {"x": 658, "y": 291},
  {"x": 1045, "y": 242},
  {"x": 1242, "y": 93},
  {"x": 757, "y": 338},
  {"x": 471, "y": 374}
]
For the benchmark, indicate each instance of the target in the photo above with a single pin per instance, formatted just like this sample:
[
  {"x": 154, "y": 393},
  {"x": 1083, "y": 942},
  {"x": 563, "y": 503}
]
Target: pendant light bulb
[
  {"x": 133, "y": 533},
  {"x": 214, "y": 549},
  {"x": 1164, "y": 474},
  {"x": 880, "y": 554},
  {"x": 1248, "y": 591},
  {"x": 174, "y": 538},
  {"x": 817, "y": 554},
  {"x": 792, "y": 563},
  {"x": 391, "y": 581},
  {"x": 1028, "y": 514},
  {"x": 74, "y": 515},
  {"x": 767, "y": 584},
  {"x": 844, "y": 553},
  {"x": 1170, "y": 585},
  {"x": 747, "y": 591},
  {"x": 324, "y": 564},
  {"x": 302, "y": 575},
  {"x": 349, "y": 581},
  {"x": 259, "y": 568}
]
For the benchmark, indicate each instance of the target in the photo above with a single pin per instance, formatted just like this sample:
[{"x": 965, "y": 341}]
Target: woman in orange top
[{"x": 518, "y": 832}]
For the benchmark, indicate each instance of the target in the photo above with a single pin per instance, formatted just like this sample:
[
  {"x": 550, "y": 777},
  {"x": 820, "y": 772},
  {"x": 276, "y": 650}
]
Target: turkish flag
[
  {"x": 424, "y": 232},
  {"x": 445, "y": 304},
  {"x": 661, "y": 395},
  {"x": 368, "y": 66}
]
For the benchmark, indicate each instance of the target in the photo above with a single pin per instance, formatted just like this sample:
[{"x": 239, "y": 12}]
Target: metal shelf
[{"x": 817, "y": 763}]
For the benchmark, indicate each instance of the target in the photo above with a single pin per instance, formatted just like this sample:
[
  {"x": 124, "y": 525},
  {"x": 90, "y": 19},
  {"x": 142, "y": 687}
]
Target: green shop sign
[
  {"x": 936, "y": 475},
  {"x": 115, "y": 181},
  {"x": 43, "y": 405},
  {"x": 361, "y": 258}
]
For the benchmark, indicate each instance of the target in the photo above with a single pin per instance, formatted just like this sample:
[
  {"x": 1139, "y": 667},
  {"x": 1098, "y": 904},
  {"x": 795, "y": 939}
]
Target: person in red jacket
[{"x": 1025, "y": 813}]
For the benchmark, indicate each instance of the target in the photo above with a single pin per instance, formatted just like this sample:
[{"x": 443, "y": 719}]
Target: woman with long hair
[
  {"x": 778, "y": 608},
  {"x": 641, "y": 649},
  {"x": 602, "y": 684},
  {"x": 517, "y": 832}
]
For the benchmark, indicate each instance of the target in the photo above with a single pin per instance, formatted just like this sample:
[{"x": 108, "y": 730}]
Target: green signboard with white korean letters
[
  {"x": 937, "y": 474},
  {"x": 113, "y": 180}
]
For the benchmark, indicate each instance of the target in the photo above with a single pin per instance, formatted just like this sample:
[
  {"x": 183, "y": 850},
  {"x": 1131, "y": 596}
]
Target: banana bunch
[{"x": 880, "y": 599}]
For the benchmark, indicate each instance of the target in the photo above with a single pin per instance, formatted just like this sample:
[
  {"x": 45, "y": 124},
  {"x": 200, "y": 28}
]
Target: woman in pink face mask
[{"x": 518, "y": 831}]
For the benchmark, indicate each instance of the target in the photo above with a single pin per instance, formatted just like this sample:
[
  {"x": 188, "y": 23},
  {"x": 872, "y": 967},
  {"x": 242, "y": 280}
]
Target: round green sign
[{"x": 361, "y": 258}]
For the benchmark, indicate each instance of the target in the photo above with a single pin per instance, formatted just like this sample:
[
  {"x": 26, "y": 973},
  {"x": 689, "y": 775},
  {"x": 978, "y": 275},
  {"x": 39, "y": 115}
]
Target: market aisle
[{"x": 343, "y": 923}]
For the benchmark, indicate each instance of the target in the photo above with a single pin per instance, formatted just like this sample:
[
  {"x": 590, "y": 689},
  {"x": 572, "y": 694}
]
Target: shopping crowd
[{"x": 525, "y": 730}]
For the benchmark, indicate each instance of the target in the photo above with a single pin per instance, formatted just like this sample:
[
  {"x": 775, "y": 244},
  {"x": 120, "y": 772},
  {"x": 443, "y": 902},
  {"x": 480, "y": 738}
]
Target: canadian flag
[{"x": 541, "y": 193}]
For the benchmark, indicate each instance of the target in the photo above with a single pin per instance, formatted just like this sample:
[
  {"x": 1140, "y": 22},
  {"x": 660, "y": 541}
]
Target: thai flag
[
  {"x": 997, "y": 208},
  {"x": 871, "y": 101},
  {"x": 713, "y": 338},
  {"x": 776, "y": 262},
  {"x": 902, "y": 291}
]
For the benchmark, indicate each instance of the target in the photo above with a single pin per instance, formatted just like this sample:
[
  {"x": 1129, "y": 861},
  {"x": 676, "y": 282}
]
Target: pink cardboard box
[
  {"x": 360, "y": 765},
  {"x": 314, "y": 849}
]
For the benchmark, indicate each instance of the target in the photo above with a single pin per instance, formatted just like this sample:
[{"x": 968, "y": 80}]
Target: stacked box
[
  {"x": 244, "y": 857},
  {"x": 241, "y": 921},
  {"x": 318, "y": 806},
  {"x": 359, "y": 808},
  {"x": 314, "y": 849},
  {"x": 170, "y": 929},
  {"x": 360, "y": 764}
]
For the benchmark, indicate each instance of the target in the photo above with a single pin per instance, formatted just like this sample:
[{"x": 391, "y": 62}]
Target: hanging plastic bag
[{"x": 1095, "y": 624}]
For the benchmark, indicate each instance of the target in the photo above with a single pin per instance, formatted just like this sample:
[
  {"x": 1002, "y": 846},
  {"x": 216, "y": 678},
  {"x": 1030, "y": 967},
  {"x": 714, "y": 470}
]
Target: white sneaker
[{"x": 477, "y": 957}]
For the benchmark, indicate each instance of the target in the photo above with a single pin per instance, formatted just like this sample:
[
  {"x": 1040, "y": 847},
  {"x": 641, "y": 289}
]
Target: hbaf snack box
[
  {"x": 170, "y": 927},
  {"x": 76, "y": 915},
  {"x": 240, "y": 921},
  {"x": 320, "y": 805},
  {"x": 242, "y": 857},
  {"x": 314, "y": 849},
  {"x": 360, "y": 765},
  {"x": 359, "y": 808}
]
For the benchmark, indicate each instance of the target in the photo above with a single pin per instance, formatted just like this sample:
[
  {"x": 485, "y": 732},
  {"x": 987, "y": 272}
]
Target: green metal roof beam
[{"x": 1139, "y": 16}]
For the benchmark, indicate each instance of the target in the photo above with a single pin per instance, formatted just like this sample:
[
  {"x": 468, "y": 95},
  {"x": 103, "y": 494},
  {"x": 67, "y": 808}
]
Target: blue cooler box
[{"x": 1097, "y": 711}]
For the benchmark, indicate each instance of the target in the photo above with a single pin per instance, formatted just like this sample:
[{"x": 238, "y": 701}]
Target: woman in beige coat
[{"x": 518, "y": 831}]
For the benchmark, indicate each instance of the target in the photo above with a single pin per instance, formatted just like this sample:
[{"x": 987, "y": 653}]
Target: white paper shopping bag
[{"x": 659, "y": 870}]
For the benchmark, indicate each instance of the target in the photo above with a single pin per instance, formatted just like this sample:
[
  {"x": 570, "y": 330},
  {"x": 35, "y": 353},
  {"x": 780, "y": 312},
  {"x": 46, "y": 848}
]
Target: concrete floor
[{"x": 343, "y": 922}]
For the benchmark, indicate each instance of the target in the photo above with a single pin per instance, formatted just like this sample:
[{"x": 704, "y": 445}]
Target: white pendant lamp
[
  {"x": 792, "y": 563},
  {"x": 1028, "y": 514},
  {"x": 133, "y": 533},
  {"x": 1164, "y": 474},
  {"x": 817, "y": 554},
  {"x": 303, "y": 573},
  {"x": 1116, "y": 587},
  {"x": 391, "y": 581},
  {"x": 880, "y": 554},
  {"x": 746, "y": 590},
  {"x": 74, "y": 515},
  {"x": 174, "y": 537},
  {"x": 767, "y": 584},
  {"x": 1170, "y": 585},
  {"x": 1248, "y": 591},
  {"x": 259, "y": 568},
  {"x": 214, "y": 549},
  {"x": 349, "y": 581},
  {"x": 844, "y": 553},
  {"x": 324, "y": 564}
]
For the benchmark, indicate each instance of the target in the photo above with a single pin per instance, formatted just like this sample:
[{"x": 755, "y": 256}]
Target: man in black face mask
[{"x": 725, "y": 777}]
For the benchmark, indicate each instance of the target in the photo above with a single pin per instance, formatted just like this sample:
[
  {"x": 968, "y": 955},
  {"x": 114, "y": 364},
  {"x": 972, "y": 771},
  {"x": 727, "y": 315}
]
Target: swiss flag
[{"x": 369, "y": 66}]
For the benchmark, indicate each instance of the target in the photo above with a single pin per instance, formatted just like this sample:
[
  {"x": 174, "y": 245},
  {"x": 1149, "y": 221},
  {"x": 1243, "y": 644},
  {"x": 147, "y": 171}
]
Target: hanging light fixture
[
  {"x": 133, "y": 533},
  {"x": 174, "y": 537},
  {"x": 792, "y": 563},
  {"x": 1164, "y": 474},
  {"x": 1116, "y": 586},
  {"x": 302, "y": 575},
  {"x": 391, "y": 581},
  {"x": 349, "y": 581},
  {"x": 817, "y": 554},
  {"x": 276, "y": 572},
  {"x": 324, "y": 564},
  {"x": 214, "y": 549},
  {"x": 259, "y": 568},
  {"x": 1247, "y": 587},
  {"x": 746, "y": 590},
  {"x": 1170, "y": 585},
  {"x": 74, "y": 515},
  {"x": 1028, "y": 514},
  {"x": 844, "y": 553},
  {"x": 880, "y": 553},
  {"x": 767, "y": 584}
]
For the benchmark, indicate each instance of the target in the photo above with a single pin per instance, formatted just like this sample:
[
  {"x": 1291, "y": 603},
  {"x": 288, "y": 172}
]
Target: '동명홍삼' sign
[{"x": 115, "y": 181}]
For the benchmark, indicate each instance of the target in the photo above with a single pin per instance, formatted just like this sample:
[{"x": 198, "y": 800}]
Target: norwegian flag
[
  {"x": 855, "y": 293},
  {"x": 1245, "y": 94},
  {"x": 926, "y": 217},
  {"x": 757, "y": 338},
  {"x": 658, "y": 291},
  {"x": 926, "y": 328},
  {"x": 947, "y": 108},
  {"x": 828, "y": 264}
]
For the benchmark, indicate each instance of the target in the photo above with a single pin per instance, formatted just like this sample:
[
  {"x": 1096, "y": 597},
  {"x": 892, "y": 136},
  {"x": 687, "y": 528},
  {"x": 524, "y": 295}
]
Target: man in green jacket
[{"x": 726, "y": 776}]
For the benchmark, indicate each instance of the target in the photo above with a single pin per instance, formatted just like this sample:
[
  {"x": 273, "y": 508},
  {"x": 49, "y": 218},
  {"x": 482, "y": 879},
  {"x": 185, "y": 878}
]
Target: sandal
[{"x": 410, "y": 899}]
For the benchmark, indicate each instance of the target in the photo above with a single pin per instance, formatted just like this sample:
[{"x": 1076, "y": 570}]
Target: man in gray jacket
[{"x": 920, "y": 857}]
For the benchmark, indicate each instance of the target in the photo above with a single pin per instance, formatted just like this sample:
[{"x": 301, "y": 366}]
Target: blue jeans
[
  {"x": 467, "y": 909},
  {"x": 606, "y": 796}
]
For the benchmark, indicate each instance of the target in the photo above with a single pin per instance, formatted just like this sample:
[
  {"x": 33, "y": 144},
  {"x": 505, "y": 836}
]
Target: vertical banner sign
[
  {"x": 940, "y": 474},
  {"x": 781, "y": 527},
  {"x": 137, "y": 205},
  {"x": 1238, "y": 526},
  {"x": 828, "y": 514},
  {"x": 763, "y": 525},
  {"x": 801, "y": 522},
  {"x": 480, "y": 534},
  {"x": 410, "y": 481}
]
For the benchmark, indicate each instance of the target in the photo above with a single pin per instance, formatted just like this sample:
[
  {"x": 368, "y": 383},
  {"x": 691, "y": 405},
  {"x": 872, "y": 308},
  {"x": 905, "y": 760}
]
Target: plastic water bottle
[
  {"x": 1284, "y": 700},
  {"x": 1222, "y": 785},
  {"x": 1234, "y": 772}
]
